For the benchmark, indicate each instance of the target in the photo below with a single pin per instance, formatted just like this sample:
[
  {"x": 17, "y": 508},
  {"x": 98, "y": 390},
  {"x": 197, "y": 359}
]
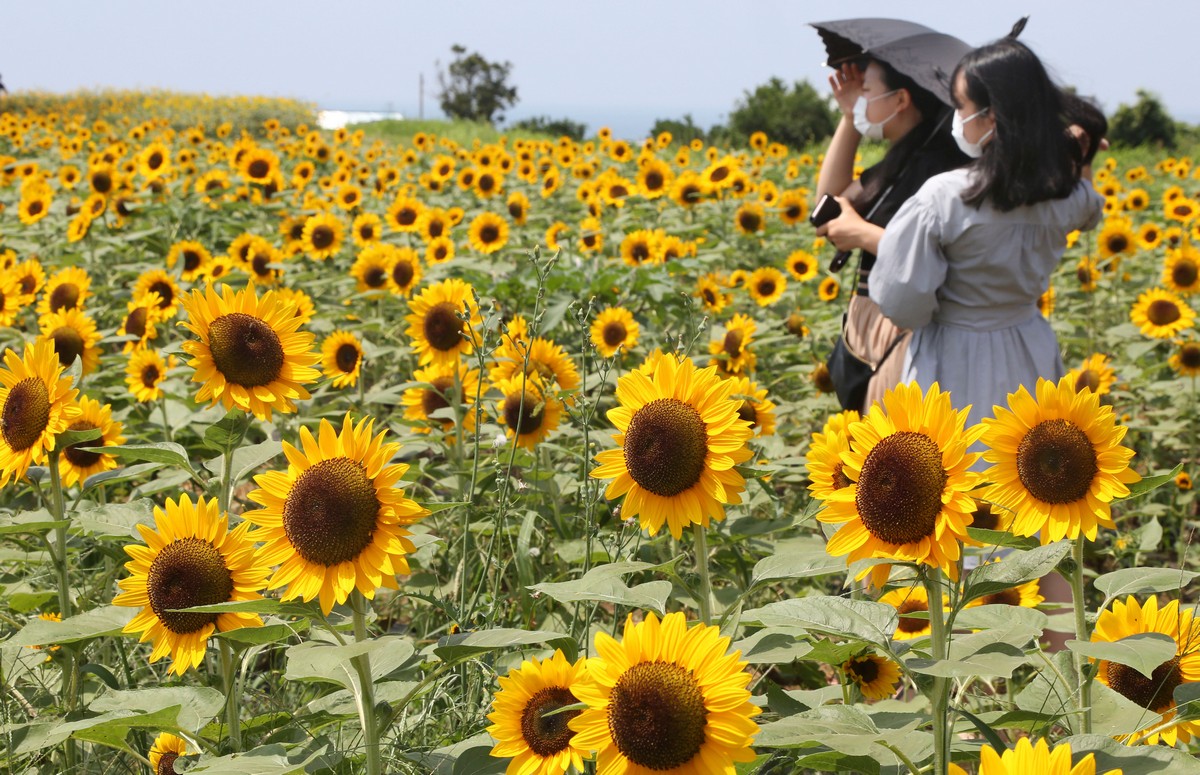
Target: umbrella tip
[{"x": 1018, "y": 28}]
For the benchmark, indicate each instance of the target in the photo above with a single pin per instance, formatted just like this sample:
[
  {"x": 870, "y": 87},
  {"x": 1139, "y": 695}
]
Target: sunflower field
[{"x": 322, "y": 453}]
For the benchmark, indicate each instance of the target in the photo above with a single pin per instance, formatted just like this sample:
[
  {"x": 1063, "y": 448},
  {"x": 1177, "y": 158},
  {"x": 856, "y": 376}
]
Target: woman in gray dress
[{"x": 965, "y": 259}]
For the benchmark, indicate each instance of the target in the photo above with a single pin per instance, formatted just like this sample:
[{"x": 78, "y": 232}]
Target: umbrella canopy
[{"x": 923, "y": 54}]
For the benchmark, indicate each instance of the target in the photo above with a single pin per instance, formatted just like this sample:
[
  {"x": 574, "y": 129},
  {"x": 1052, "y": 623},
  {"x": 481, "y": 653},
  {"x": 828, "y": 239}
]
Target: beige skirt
[{"x": 868, "y": 334}]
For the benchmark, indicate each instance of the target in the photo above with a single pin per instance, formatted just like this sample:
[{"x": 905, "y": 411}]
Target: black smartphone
[{"x": 825, "y": 211}]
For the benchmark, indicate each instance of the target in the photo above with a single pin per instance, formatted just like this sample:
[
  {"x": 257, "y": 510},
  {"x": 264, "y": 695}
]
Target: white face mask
[
  {"x": 972, "y": 149},
  {"x": 865, "y": 127}
]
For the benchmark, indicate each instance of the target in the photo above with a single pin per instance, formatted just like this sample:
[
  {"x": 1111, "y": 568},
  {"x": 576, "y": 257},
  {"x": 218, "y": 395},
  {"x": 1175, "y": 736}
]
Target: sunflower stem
[
  {"x": 162, "y": 407},
  {"x": 228, "y": 678},
  {"x": 70, "y": 684},
  {"x": 1081, "y": 634},
  {"x": 243, "y": 425},
  {"x": 702, "y": 567},
  {"x": 366, "y": 695},
  {"x": 940, "y": 692}
]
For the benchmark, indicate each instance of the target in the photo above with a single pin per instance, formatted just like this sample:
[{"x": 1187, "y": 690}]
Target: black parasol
[{"x": 925, "y": 55}]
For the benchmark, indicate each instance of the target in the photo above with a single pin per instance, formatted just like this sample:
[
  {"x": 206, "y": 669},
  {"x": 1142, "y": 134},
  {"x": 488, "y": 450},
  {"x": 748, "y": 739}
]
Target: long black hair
[
  {"x": 1032, "y": 157},
  {"x": 934, "y": 119}
]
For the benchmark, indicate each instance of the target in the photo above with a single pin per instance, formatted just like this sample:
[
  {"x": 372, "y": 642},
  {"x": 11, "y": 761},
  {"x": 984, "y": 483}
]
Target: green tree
[
  {"x": 474, "y": 89},
  {"x": 1146, "y": 122},
  {"x": 795, "y": 115},
  {"x": 682, "y": 130}
]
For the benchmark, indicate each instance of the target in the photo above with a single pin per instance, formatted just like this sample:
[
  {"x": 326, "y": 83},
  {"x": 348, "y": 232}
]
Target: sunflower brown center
[
  {"x": 613, "y": 333},
  {"x": 322, "y": 237},
  {"x": 766, "y": 287},
  {"x": 259, "y": 168},
  {"x": 375, "y": 277},
  {"x": 1163, "y": 312},
  {"x": 864, "y": 671},
  {"x": 1189, "y": 355},
  {"x": 135, "y": 322},
  {"x": 1184, "y": 274},
  {"x": 733, "y": 343},
  {"x": 546, "y": 735},
  {"x": 910, "y": 624},
  {"x": 640, "y": 251},
  {"x": 402, "y": 273},
  {"x": 166, "y": 764},
  {"x": 1056, "y": 462},
  {"x": 839, "y": 478},
  {"x": 245, "y": 349},
  {"x": 346, "y": 357},
  {"x": 165, "y": 292},
  {"x": 82, "y": 458},
  {"x": 65, "y": 296},
  {"x": 899, "y": 493},
  {"x": 489, "y": 234},
  {"x": 1155, "y": 693},
  {"x": 1009, "y": 596},
  {"x": 68, "y": 344},
  {"x": 443, "y": 329},
  {"x": 26, "y": 413},
  {"x": 187, "y": 572},
  {"x": 666, "y": 446},
  {"x": 656, "y": 715},
  {"x": 1117, "y": 243},
  {"x": 523, "y": 413},
  {"x": 434, "y": 398},
  {"x": 983, "y": 516},
  {"x": 747, "y": 412},
  {"x": 435, "y": 228},
  {"x": 150, "y": 376},
  {"x": 1089, "y": 379},
  {"x": 653, "y": 180},
  {"x": 331, "y": 511},
  {"x": 750, "y": 221}
]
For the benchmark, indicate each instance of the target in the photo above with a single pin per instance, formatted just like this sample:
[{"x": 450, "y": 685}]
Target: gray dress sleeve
[{"x": 910, "y": 266}]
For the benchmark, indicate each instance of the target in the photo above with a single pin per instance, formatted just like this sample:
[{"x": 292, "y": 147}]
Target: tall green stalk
[
  {"x": 366, "y": 696},
  {"x": 70, "y": 681},
  {"x": 229, "y": 684},
  {"x": 1081, "y": 634},
  {"x": 940, "y": 691},
  {"x": 702, "y": 568}
]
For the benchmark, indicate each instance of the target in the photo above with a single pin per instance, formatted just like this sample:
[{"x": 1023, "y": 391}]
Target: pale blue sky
[{"x": 623, "y": 62}]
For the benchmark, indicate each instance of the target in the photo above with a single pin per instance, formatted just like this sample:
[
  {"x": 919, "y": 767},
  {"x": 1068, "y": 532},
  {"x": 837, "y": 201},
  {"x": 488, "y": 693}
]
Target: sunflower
[
  {"x": 75, "y": 464},
  {"x": 30, "y": 279},
  {"x": 641, "y": 247},
  {"x": 1182, "y": 209},
  {"x": 1161, "y": 314},
  {"x": 665, "y": 699},
  {"x": 793, "y": 208},
  {"x": 679, "y": 438},
  {"x": 301, "y": 303},
  {"x": 442, "y": 388},
  {"x": 10, "y": 299},
  {"x": 1153, "y": 693},
  {"x": 802, "y": 265},
  {"x": 756, "y": 408},
  {"x": 103, "y": 179},
  {"x": 1094, "y": 374},
  {"x": 909, "y": 600},
  {"x": 323, "y": 235},
  {"x": 403, "y": 214},
  {"x": 518, "y": 207},
  {"x": 709, "y": 291},
  {"x": 829, "y": 289},
  {"x": 250, "y": 354},
  {"x": 1057, "y": 461},
  {"x": 1181, "y": 271},
  {"x": 73, "y": 335},
  {"x": 1087, "y": 274},
  {"x": 437, "y": 331},
  {"x": 1046, "y": 301},
  {"x": 66, "y": 289},
  {"x": 192, "y": 255},
  {"x": 1116, "y": 238},
  {"x": 875, "y": 676},
  {"x": 35, "y": 406},
  {"x": 1186, "y": 358},
  {"x": 405, "y": 271},
  {"x": 158, "y": 281},
  {"x": 341, "y": 357},
  {"x": 537, "y": 743},
  {"x": 615, "y": 329},
  {"x": 366, "y": 229},
  {"x": 549, "y": 361},
  {"x": 1032, "y": 759},
  {"x": 145, "y": 373},
  {"x": 766, "y": 285},
  {"x": 1027, "y": 595},
  {"x": 1183, "y": 481},
  {"x": 909, "y": 471},
  {"x": 439, "y": 250},
  {"x": 218, "y": 269},
  {"x": 654, "y": 178},
  {"x": 166, "y": 750},
  {"x": 528, "y": 410},
  {"x": 191, "y": 558},
  {"x": 591, "y": 235},
  {"x": 263, "y": 264},
  {"x": 258, "y": 165},
  {"x": 334, "y": 521},
  {"x": 749, "y": 218},
  {"x": 733, "y": 352},
  {"x": 824, "y": 457},
  {"x": 488, "y": 233},
  {"x": 1149, "y": 235},
  {"x": 35, "y": 205},
  {"x": 373, "y": 267}
]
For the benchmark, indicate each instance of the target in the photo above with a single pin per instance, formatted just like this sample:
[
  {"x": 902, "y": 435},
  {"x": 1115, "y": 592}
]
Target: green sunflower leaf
[
  {"x": 1141, "y": 581},
  {"x": 166, "y": 452},
  {"x": 1014, "y": 570},
  {"x": 1143, "y": 651},
  {"x": 1138, "y": 489}
]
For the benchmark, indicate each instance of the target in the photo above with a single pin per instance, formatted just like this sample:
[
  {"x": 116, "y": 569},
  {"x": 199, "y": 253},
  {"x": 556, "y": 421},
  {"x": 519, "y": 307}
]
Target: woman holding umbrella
[{"x": 878, "y": 86}]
